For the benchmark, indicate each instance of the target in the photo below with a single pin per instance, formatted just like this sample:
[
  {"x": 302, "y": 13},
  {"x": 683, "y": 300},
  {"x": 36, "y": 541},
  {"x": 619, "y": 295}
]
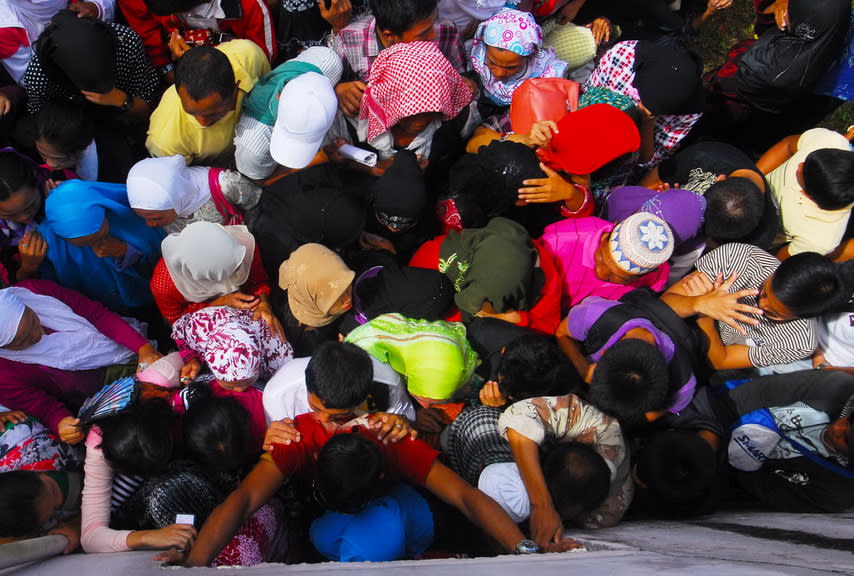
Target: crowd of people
[{"x": 367, "y": 280}]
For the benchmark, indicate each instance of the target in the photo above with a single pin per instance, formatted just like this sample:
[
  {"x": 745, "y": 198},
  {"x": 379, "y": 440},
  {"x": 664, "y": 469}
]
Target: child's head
[
  {"x": 677, "y": 469},
  {"x": 216, "y": 434},
  {"x": 338, "y": 379},
  {"x": 636, "y": 246},
  {"x": 233, "y": 356},
  {"x": 531, "y": 366},
  {"x": 804, "y": 286},
  {"x": 734, "y": 207},
  {"x": 408, "y": 21},
  {"x": 578, "y": 479},
  {"x": 349, "y": 468},
  {"x": 139, "y": 440},
  {"x": 630, "y": 382},
  {"x": 63, "y": 131},
  {"x": 827, "y": 175},
  {"x": 20, "y": 199},
  {"x": 25, "y": 503}
]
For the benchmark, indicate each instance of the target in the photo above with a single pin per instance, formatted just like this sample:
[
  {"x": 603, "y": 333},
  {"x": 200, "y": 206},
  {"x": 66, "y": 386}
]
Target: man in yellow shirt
[{"x": 196, "y": 116}]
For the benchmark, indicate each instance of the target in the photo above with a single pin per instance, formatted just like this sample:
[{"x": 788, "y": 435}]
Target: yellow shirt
[
  {"x": 803, "y": 225},
  {"x": 173, "y": 131}
]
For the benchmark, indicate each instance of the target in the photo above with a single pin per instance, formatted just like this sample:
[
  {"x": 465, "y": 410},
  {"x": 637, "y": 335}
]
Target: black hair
[
  {"x": 533, "y": 365},
  {"x": 851, "y": 440},
  {"x": 19, "y": 492},
  {"x": 630, "y": 380},
  {"x": 810, "y": 285},
  {"x": 827, "y": 175},
  {"x": 734, "y": 207},
  {"x": 397, "y": 16},
  {"x": 678, "y": 468},
  {"x": 139, "y": 440},
  {"x": 577, "y": 477},
  {"x": 216, "y": 434},
  {"x": 203, "y": 71},
  {"x": 65, "y": 125},
  {"x": 16, "y": 171},
  {"x": 348, "y": 470},
  {"x": 167, "y": 7},
  {"x": 339, "y": 374}
]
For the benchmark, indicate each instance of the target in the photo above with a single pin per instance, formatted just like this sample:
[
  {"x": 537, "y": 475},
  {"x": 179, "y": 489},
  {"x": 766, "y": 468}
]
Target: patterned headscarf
[
  {"x": 519, "y": 33},
  {"x": 411, "y": 78}
]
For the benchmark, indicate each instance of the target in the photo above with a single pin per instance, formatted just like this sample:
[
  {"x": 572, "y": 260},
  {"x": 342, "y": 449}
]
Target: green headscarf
[
  {"x": 495, "y": 263},
  {"x": 434, "y": 357}
]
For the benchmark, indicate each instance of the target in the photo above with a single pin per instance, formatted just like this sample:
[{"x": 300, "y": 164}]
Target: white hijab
[
  {"x": 73, "y": 344},
  {"x": 31, "y": 15},
  {"x": 167, "y": 183},
  {"x": 206, "y": 260}
]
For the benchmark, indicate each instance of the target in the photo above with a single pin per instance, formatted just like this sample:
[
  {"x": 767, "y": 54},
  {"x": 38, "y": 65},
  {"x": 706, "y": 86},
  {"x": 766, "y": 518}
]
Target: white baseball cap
[{"x": 307, "y": 108}]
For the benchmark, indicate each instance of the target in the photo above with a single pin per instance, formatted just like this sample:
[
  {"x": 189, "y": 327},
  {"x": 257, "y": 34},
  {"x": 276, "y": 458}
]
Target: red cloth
[
  {"x": 172, "y": 303},
  {"x": 251, "y": 400},
  {"x": 11, "y": 40},
  {"x": 411, "y": 78},
  {"x": 256, "y": 24},
  {"x": 543, "y": 317},
  {"x": 408, "y": 459},
  {"x": 50, "y": 394}
]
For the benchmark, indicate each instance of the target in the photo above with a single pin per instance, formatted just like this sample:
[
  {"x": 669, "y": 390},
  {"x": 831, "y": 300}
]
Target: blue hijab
[{"x": 76, "y": 209}]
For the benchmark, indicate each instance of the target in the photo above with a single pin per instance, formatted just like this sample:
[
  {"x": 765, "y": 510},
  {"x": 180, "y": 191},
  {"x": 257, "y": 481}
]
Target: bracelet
[
  {"x": 167, "y": 68},
  {"x": 127, "y": 104},
  {"x": 588, "y": 198}
]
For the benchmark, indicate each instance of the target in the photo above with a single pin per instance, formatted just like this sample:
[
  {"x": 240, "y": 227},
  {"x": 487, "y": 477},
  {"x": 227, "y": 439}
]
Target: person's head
[
  {"x": 630, "y": 382},
  {"x": 27, "y": 501},
  {"x": 20, "y": 199},
  {"x": 233, "y": 355},
  {"x": 63, "y": 131},
  {"x": 338, "y": 379},
  {"x": 667, "y": 79},
  {"x": 502, "y": 47},
  {"x": 804, "y": 286},
  {"x": 636, "y": 246},
  {"x": 139, "y": 440},
  {"x": 206, "y": 85},
  {"x": 578, "y": 479},
  {"x": 532, "y": 366},
  {"x": 319, "y": 284},
  {"x": 161, "y": 190},
  {"x": 349, "y": 468},
  {"x": 216, "y": 434},
  {"x": 400, "y": 194},
  {"x": 306, "y": 110},
  {"x": 677, "y": 469},
  {"x": 734, "y": 207},
  {"x": 408, "y": 128},
  {"x": 408, "y": 21},
  {"x": 504, "y": 64},
  {"x": 20, "y": 327},
  {"x": 839, "y": 435},
  {"x": 826, "y": 176}
]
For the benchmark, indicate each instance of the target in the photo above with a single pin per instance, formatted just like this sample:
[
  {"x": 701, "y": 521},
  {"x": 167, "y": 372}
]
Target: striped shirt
[{"x": 770, "y": 342}]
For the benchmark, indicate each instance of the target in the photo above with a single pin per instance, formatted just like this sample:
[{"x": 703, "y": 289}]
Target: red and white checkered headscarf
[{"x": 411, "y": 78}]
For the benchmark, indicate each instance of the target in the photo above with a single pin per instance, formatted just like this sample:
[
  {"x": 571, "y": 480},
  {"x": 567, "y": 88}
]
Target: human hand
[
  {"x": 430, "y": 420},
  {"x": 33, "y": 249},
  {"x": 780, "y": 9},
  {"x": 109, "y": 247},
  {"x": 177, "y": 45},
  {"x": 724, "y": 307},
  {"x": 5, "y": 105},
  {"x": 265, "y": 312},
  {"x": 50, "y": 185},
  {"x": 338, "y": 14},
  {"x": 12, "y": 417},
  {"x": 350, "y": 96},
  {"x": 541, "y": 133},
  {"x": 490, "y": 395},
  {"x": 391, "y": 428},
  {"x": 281, "y": 432},
  {"x": 71, "y": 531},
  {"x": 85, "y": 9},
  {"x": 563, "y": 545},
  {"x": 381, "y": 167},
  {"x": 588, "y": 375},
  {"x": 696, "y": 284},
  {"x": 115, "y": 97},
  {"x": 190, "y": 370},
  {"x": 546, "y": 525},
  {"x": 237, "y": 299},
  {"x": 147, "y": 355},
  {"x": 487, "y": 311},
  {"x": 552, "y": 188},
  {"x": 569, "y": 11},
  {"x": 332, "y": 151},
  {"x": 601, "y": 28},
  {"x": 178, "y": 536},
  {"x": 715, "y": 5},
  {"x": 170, "y": 557},
  {"x": 818, "y": 359},
  {"x": 368, "y": 241},
  {"x": 70, "y": 430}
]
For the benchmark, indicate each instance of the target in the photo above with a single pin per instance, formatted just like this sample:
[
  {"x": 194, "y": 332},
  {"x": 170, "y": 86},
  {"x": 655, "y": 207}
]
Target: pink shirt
[
  {"x": 95, "y": 532},
  {"x": 571, "y": 244}
]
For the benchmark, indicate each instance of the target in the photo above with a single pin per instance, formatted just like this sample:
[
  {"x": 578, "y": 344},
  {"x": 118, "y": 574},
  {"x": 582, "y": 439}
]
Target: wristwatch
[{"x": 526, "y": 546}]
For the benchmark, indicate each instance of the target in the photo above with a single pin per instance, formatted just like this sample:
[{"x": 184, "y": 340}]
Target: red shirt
[{"x": 408, "y": 459}]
